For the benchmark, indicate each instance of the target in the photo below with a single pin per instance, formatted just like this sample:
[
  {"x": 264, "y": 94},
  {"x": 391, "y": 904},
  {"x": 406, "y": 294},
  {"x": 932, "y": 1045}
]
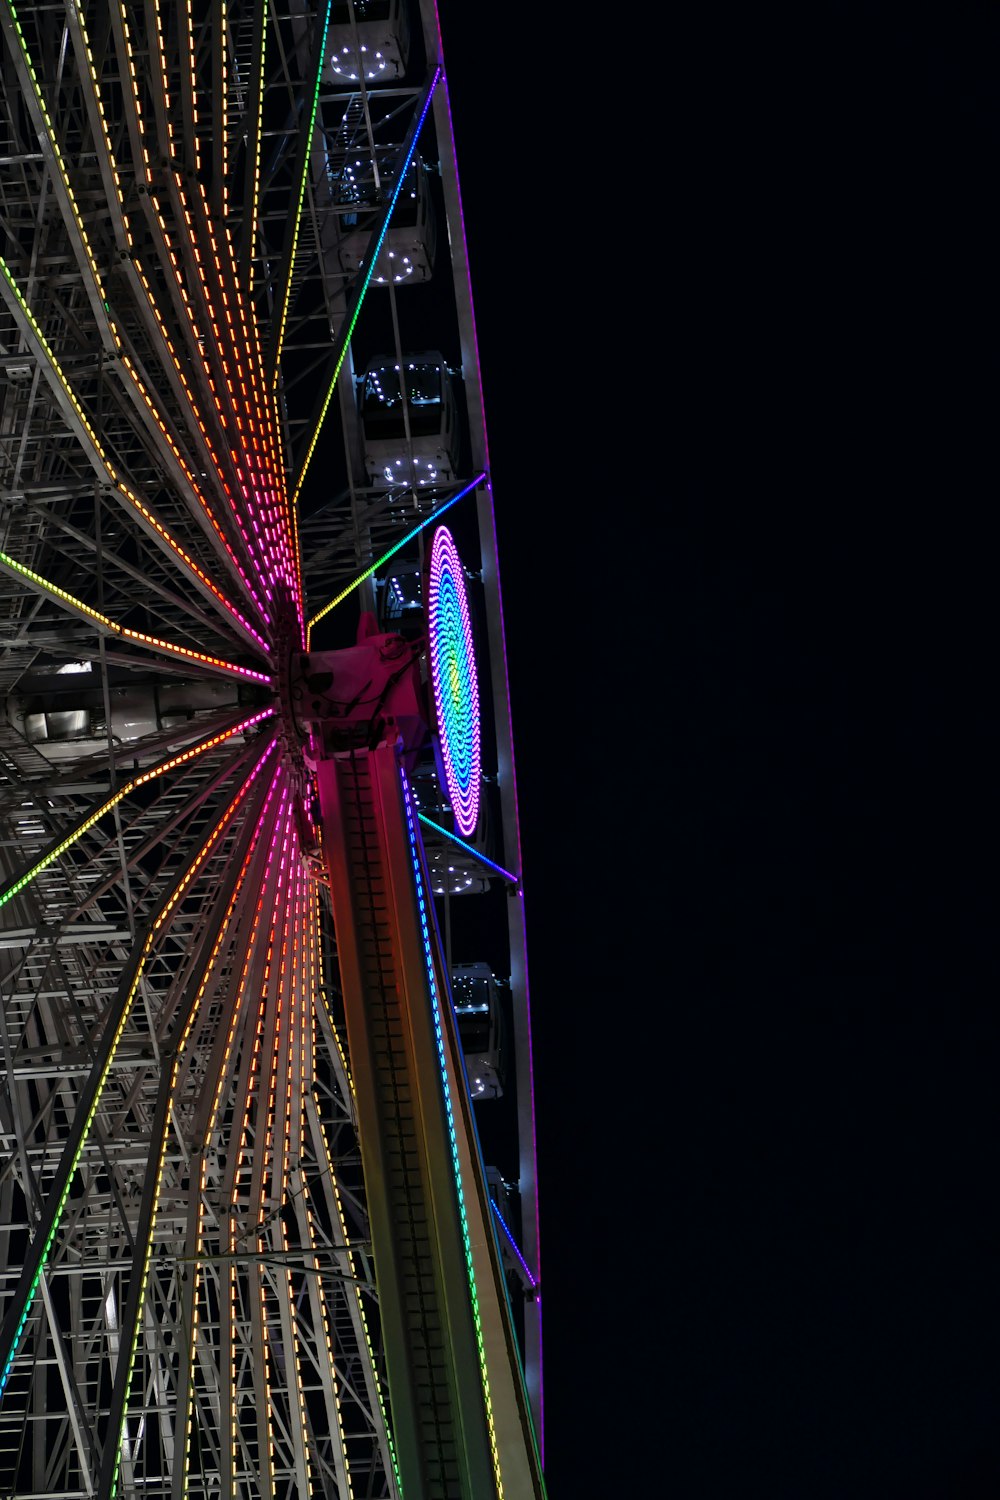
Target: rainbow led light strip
[
  {"x": 453, "y": 673},
  {"x": 124, "y": 1009},
  {"x": 425, "y": 909}
]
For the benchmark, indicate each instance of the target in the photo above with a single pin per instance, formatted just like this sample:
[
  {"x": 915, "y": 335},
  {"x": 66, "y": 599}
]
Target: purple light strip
[
  {"x": 503, "y": 645},
  {"x": 513, "y": 1243}
]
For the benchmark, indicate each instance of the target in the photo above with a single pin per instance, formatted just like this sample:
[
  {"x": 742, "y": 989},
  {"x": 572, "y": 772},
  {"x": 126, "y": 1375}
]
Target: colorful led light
[
  {"x": 11, "y": 889},
  {"x": 416, "y": 530},
  {"x": 153, "y": 642},
  {"x": 126, "y": 1006},
  {"x": 456, "y": 685},
  {"x": 424, "y": 908},
  {"x": 345, "y": 337},
  {"x": 454, "y": 839}
]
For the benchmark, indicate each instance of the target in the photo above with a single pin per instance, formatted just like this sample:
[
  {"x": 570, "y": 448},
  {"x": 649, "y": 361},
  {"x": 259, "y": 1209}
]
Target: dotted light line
[
  {"x": 480, "y": 856},
  {"x": 512, "y": 1242},
  {"x": 126, "y": 1009},
  {"x": 109, "y": 469},
  {"x": 8, "y": 891},
  {"x": 302, "y": 187},
  {"x": 346, "y": 339},
  {"x": 332, "y": 1179},
  {"x": 456, "y": 684},
  {"x": 95, "y": 273},
  {"x": 434, "y": 516},
  {"x": 154, "y": 642},
  {"x": 422, "y": 901}
]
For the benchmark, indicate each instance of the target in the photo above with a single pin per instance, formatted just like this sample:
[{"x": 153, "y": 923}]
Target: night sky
[{"x": 737, "y": 312}]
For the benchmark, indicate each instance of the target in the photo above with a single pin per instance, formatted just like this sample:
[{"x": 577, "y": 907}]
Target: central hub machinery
[{"x": 358, "y": 696}]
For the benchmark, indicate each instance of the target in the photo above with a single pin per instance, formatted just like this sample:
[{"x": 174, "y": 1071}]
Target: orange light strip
[
  {"x": 155, "y": 311},
  {"x": 220, "y": 1081}
]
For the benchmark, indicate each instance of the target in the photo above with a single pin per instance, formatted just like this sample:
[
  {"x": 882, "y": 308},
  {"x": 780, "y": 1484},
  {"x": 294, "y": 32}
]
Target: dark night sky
[{"x": 737, "y": 320}]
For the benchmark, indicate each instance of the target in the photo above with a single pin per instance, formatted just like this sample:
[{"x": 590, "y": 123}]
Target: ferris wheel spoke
[
  {"x": 241, "y": 393},
  {"x": 84, "y": 611},
  {"x": 83, "y": 429},
  {"x": 253, "y": 37},
  {"x": 146, "y": 343},
  {"x": 187, "y": 267},
  {"x": 28, "y": 69},
  {"x": 144, "y": 1064},
  {"x": 124, "y": 361},
  {"x": 12, "y": 886},
  {"x": 125, "y": 585},
  {"x": 309, "y": 105},
  {"x": 180, "y": 1094}
]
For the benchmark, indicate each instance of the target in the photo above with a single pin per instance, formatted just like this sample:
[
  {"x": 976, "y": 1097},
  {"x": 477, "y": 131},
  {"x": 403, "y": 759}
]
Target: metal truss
[{"x": 187, "y": 1293}]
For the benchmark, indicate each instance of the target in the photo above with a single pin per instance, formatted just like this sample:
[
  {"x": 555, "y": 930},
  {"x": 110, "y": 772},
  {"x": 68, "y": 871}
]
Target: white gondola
[
  {"x": 407, "y": 253},
  {"x": 480, "y": 1028},
  {"x": 426, "y": 454},
  {"x": 376, "y": 43}
]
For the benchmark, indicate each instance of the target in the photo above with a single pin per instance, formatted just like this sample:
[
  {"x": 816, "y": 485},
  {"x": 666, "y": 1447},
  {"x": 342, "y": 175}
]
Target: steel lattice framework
[{"x": 197, "y": 207}]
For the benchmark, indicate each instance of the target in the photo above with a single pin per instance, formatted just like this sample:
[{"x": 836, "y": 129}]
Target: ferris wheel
[{"x": 268, "y": 1221}]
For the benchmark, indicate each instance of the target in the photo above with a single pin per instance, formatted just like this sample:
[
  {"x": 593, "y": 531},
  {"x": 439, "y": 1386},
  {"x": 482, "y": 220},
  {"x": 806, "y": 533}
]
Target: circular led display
[{"x": 453, "y": 673}]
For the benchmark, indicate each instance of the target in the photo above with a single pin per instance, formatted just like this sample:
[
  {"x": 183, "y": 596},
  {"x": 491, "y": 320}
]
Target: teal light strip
[
  {"x": 428, "y": 521},
  {"x": 344, "y": 338}
]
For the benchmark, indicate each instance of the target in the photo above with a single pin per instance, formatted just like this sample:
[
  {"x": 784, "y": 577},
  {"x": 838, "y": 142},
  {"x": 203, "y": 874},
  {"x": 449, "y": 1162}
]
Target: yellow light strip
[
  {"x": 112, "y": 474},
  {"x": 168, "y": 765},
  {"x": 151, "y": 303},
  {"x": 153, "y": 642}
]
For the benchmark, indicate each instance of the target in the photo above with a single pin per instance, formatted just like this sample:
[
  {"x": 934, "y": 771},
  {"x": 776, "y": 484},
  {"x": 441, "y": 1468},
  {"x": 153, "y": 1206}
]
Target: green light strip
[
  {"x": 423, "y": 903},
  {"x": 302, "y": 188},
  {"x": 57, "y": 153},
  {"x": 393, "y": 550}
]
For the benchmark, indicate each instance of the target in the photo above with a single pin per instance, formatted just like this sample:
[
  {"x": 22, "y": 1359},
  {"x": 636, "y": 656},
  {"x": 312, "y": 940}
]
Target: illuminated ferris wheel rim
[
  {"x": 198, "y": 591},
  {"x": 455, "y": 680}
]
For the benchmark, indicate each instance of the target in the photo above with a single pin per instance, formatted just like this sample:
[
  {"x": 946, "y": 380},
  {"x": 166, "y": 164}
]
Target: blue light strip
[
  {"x": 511, "y": 879},
  {"x": 512, "y": 1242}
]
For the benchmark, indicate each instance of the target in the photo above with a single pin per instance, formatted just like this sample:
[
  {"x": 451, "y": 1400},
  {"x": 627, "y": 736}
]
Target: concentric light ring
[{"x": 456, "y": 685}]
